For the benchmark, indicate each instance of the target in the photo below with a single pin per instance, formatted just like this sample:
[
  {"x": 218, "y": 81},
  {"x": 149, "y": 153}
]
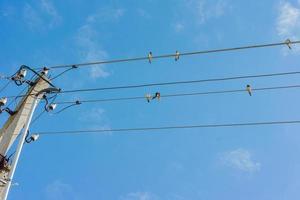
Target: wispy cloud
[
  {"x": 41, "y": 16},
  {"x": 58, "y": 190},
  {"x": 178, "y": 27},
  {"x": 288, "y": 21},
  {"x": 139, "y": 196},
  {"x": 49, "y": 9},
  {"x": 6, "y": 11},
  {"x": 95, "y": 118},
  {"x": 201, "y": 11},
  {"x": 90, "y": 50},
  {"x": 31, "y": 17},
  {"x": 240, "y": 159},
  {"x": 205, "y": 10},
  {"x": 106, "y": 15},
  {"x": 88, "y": 39},
  {"x": 143, "y": 13}
]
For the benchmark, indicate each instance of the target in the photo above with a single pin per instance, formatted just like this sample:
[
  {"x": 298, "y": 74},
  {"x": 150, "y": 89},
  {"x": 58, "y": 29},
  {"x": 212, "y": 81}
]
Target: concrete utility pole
[{"x": 13, "y": 127}]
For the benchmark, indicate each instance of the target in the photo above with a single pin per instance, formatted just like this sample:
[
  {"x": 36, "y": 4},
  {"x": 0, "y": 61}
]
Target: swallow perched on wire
[
  {"x": 288, "y": 42},
  {"x": 150, "y": 57},
  {"x": 177, "y": 54},
  {"x": 148, "y": 97},
  {"x": 249, "y": 90},
  {"x": 156, "y": 96}
]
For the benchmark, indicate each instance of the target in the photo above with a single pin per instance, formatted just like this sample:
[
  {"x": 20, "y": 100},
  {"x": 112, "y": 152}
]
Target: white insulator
[
  {"x": 52, "y": 106},
  {"x": 3, "y": 101},
  {"x": 34, "y": 137},
  {"x": 22, "y": 73}
]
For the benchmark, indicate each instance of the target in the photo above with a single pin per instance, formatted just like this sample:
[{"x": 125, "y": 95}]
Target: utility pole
[{"x": 18, "y": 121}]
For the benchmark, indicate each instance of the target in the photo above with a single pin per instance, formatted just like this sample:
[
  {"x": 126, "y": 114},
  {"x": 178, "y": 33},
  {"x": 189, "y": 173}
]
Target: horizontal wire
[
  {"x": 180, "y": 82},
  {"x": 182, "y": 94},
  {"x": 170, "y": 127},
  {"x": 4, "y": 77},
  {"x": 173, "y": 55},
  {"x": 174, "y": 83}
]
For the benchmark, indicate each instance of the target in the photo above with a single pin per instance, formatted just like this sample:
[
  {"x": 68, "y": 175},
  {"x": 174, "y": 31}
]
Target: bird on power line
[
  {"x": 150, "y": 57},
  {"x": 289, "y": 43},
  {"x": 249, "y": 90},
  {"x": 148, "y": 97},
  {"x": 156, "y": 96},
  {"x": 177, "y": 54},
  {"x": 253, "y": 46}
]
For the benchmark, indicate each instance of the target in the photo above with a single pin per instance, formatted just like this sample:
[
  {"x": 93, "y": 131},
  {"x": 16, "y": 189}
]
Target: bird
[
  {"x": 177, "y": 54},
  {"x": 150, "y": 56},
  {"x": 288, "y": 42},
  {"x": 156, "y": 96},
  {"x": 249, "y": 90},
  {"x": 148, "y": 97}
]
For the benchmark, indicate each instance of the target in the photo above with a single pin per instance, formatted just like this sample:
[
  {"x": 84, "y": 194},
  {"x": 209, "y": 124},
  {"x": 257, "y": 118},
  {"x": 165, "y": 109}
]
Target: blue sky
[{"x": 224, "y": 163}]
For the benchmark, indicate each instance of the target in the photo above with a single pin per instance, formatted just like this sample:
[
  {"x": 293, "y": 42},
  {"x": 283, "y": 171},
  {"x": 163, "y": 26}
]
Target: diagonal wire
[
  {"x": 173, "y": 55},
  {"x": 175, "y": 83},
  {"x": 5, "y": 86},
  {"x": 291, "y": 122},
  {"x": 62, "y": 73},
  {"x": 38, "y": 116},
  {"x": 182, "y": 94},
  {"x": 180, "y": 82}
]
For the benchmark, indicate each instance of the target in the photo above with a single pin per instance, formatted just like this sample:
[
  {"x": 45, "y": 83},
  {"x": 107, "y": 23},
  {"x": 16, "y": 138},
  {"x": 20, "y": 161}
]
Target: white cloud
[
  {"x": 143, "y": 13},
  {"x": 205, "y": 10},
  {"x": 31, "y": 17},
  {"x": 90, "y": 50},
  {"x": 95, "y": 118},
  {"x": 6, "y": 11},
  {"x": 178, "y": 27},
  {"x": 240, "y": 159},
  {"x": 139, "y": 196},
  {"x": 201, "y": 11},
  {"x": 106, "y": 15},
  {"x": 41, "y": 16},
  {"x": 87, "y": 39},
  {"x": 48, "y": 8},
  {"x": 59, "y": 191},
  {"x": 288, "y": 22}
]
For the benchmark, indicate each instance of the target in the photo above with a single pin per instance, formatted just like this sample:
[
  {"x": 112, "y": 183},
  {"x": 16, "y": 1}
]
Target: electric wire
[
  {"x": 174, "y": 83},
  {"x": 21, "y": 92},
  {"x": 62, "y": 73},
  {"x": 181, "y": 94},
  {"x": 38, "y": 116},
  {"x": 291, "y": 122},
  {"x": 4, "y": 77},
  {"x": 179, "y": 82},
  {"x": 288, "y": 42},
  {"x": 5, "y": 86}
]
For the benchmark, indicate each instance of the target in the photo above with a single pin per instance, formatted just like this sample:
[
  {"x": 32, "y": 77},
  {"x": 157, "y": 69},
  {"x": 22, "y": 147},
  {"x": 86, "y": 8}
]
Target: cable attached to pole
[
  {"x": 182, "y": 94},
  {"x": 291, "y": 122},
  {"x": 175, "y": 55}
]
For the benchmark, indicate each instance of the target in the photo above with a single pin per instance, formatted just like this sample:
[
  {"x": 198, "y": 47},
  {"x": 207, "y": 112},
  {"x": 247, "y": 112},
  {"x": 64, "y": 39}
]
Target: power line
[
  {"x": 180, "y": 82},
  {"x": 288, "y": 42},
  {"x": 5, "y": 86},
  {"x": 170, "y": 127},
  {"x": 181, "y": 94},
  {"x": 175, "y": 83},
  {"x": 4, "y": 77},
  {"x": 38, "y": 116}
]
